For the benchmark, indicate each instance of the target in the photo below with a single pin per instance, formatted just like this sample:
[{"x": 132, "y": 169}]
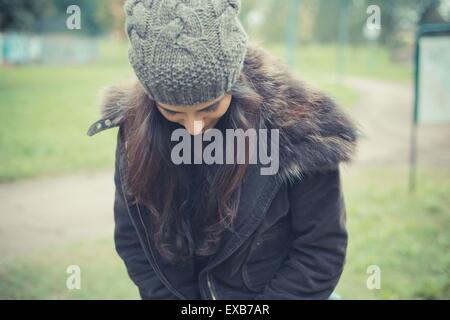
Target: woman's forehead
[{"x": 191, "y": 107}]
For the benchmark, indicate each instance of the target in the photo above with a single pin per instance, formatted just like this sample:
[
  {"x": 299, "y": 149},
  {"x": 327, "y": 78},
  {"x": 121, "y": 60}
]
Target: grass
[
  {"x": 42, "y": 275},
  {"x": 315, "y": 60},
  {"x": 406, "y": 235},
  {"x": 45, "y": 110}
]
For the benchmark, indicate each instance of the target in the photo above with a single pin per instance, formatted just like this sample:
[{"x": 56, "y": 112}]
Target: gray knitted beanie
[{"x": 185, "y": 52}]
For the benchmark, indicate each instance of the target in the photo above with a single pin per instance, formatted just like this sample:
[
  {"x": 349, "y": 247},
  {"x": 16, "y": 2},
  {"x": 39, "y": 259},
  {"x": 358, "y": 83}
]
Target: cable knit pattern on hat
[{"x": 185, "y": 52}]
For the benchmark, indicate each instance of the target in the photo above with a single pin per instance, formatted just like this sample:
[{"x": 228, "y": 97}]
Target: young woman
[{"x": 223, "y": 230}]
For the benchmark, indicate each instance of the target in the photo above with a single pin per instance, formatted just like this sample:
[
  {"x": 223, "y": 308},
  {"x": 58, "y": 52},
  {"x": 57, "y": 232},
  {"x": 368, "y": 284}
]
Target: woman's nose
[{"x": 194, "y": 126}]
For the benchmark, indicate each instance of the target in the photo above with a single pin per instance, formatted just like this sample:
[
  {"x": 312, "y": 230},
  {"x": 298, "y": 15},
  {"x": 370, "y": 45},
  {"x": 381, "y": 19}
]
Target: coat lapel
[{"x": 257, "y": 193}]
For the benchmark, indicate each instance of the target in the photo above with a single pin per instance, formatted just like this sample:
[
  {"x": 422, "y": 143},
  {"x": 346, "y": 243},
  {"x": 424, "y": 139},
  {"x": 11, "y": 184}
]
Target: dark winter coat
[{"x": 290, "y": 240}]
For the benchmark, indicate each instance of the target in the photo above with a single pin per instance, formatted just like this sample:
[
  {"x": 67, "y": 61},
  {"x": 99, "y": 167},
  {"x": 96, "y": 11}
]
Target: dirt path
[
  {"x": 50, "y": 211},
  {"x": 384, "y": 112},
  {"x": 47, "y": 211}
]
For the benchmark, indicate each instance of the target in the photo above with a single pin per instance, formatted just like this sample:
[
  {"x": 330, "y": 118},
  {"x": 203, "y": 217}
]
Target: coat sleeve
[
  {"x": 317, "y": 255},
  {"x": 129, "y": 247}
]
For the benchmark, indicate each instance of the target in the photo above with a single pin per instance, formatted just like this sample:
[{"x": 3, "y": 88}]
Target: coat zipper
[
  {"x": 158, "y": 270},
  {"x": 162, "y": 278},
  {"x": 210, "y": 286}
]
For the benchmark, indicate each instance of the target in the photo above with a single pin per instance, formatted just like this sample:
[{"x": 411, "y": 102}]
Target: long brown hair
[{"x": 162, "y": 186}]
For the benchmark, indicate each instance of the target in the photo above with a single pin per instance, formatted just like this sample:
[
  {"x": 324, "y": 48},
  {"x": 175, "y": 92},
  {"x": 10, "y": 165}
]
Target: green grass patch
[
  {"x": 43, "y": 274},
  {"x": 45, "y": 112},
  {"x": 405, "y": 234}
]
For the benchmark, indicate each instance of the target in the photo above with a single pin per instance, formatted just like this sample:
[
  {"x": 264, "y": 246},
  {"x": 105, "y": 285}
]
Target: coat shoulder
[
  {"x": 115, "y": 101},
  {"x": 315, "y": 132}
]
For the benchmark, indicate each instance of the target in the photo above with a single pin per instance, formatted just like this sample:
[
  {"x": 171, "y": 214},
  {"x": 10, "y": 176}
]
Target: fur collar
[{"x": 315, "y": 133}]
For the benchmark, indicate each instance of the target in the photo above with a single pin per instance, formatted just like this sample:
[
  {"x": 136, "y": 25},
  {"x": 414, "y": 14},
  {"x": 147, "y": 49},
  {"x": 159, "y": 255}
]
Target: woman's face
[{"x": 199, "y": 117}]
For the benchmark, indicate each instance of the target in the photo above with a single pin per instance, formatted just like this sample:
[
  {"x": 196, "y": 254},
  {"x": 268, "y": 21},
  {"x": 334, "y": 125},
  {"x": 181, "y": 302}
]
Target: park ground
[{"x": 56, "y": 190}]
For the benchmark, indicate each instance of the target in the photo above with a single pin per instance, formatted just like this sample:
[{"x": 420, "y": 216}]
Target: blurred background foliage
[
  {"x": 263, "y": 19},
  {"x": 44, "y": 16}
]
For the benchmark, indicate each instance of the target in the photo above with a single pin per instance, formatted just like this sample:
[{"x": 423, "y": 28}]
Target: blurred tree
[
  {"x": 275, "y": 25},
  {"x": 325, "y": 24},
  {"x": 97, "y": 17},
  {"x": 431, "y": 13},
  {"x": 22, "y": 15},
  {"x": 263, "y": 19},
  {"x": 396, "y": 16},
  {"x": 118, "y": 18}
]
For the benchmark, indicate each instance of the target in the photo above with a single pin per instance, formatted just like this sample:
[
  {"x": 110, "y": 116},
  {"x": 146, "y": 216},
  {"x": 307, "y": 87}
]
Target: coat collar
[{"x": 315, "y": 133}]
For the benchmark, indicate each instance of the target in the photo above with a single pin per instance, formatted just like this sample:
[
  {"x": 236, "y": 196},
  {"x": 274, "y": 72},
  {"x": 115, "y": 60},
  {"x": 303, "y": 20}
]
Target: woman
[{"x": 222, "y": 230}]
